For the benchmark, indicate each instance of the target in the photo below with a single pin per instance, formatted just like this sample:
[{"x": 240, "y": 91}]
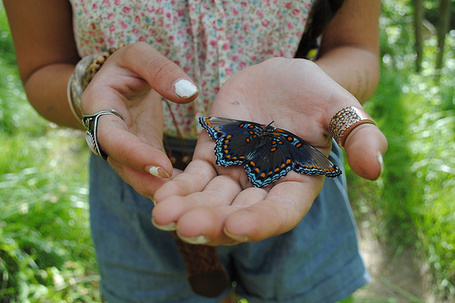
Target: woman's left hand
[{"x": 214, "y": 205}]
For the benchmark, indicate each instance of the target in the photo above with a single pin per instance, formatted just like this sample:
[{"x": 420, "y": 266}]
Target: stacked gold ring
[{"x": 345, "y": 120}]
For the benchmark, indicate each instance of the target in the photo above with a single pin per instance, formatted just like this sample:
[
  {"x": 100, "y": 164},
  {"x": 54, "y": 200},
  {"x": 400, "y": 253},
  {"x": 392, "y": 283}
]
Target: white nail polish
[
  {"x": 185, "y": 89},
  {"x": 157, "y": 171},
  {"x": 153, "y": 170}
]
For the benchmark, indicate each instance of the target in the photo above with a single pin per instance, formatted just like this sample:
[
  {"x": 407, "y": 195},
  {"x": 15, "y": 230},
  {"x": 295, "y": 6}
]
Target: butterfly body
[{"x": 266, "y": 152}]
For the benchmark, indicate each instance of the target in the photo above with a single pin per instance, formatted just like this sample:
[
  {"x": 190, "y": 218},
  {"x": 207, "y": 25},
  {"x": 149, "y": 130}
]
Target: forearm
[
  {"x": 349, "y": 50},
  {"x": 46, "y": 89},
  {"x": 46, "y": 54},
  {"x": 356, "y": 69}
]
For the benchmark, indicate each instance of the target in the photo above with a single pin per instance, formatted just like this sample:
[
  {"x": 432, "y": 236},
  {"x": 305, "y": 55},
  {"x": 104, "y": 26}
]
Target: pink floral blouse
[{"x": 209, "y": 39}]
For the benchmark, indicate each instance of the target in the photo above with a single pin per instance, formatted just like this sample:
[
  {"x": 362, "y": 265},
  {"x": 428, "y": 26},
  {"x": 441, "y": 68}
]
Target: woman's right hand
[{"x": 133, "y": 81}]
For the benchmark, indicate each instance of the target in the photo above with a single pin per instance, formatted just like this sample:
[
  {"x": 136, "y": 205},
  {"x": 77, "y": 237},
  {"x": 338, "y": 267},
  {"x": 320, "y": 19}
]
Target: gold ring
[{"x": 345, "y": 120}]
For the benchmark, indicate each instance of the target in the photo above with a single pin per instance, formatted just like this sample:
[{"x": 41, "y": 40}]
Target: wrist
[{"x": 84, "y": 72}]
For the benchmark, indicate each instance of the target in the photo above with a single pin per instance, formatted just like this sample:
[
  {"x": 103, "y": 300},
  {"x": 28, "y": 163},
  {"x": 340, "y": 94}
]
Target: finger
[
  {"x": 194, "y": 179},
  {"x": 170, "y": 198},
  {"x": 365, "y": 146},
  {"x": 199, "y": 217},
  {"x": 284, "y": 207},
  {"x": 163, "y": 75},
  {"x": 144, "y": 183},
  {"x": 132, "y": 152}
]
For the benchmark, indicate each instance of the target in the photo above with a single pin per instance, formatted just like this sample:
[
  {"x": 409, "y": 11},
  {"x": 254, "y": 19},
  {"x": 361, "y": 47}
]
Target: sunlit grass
[
  {"x": 46, "y": 254},
  {"x": 412, "y": 205},
  {"x": 45, "y": 245}
]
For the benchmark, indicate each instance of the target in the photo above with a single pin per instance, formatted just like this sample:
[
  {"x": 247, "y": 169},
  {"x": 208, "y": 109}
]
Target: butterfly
[{"x": 266, "y": 152}]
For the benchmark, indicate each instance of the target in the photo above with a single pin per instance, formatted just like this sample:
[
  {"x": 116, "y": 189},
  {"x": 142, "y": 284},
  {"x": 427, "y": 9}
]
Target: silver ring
[{"x": 91, "y": 126}]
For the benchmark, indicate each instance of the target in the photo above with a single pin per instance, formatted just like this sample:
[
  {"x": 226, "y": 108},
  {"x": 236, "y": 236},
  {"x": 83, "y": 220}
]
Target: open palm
[{"x": 211, "y": 204}]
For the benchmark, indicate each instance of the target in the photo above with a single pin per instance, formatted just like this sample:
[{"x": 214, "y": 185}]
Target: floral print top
[{"x": 209, "y": 39}]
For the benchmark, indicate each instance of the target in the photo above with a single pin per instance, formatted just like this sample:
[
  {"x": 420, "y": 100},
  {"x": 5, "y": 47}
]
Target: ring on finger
[
  {"x": 91, "y": 126},
  {"x": 345, "y": 120}
]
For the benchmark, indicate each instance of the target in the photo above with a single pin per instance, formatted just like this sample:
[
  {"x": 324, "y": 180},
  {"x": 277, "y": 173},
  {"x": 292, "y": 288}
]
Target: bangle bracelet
[
  {"x": 83, "y": 73},
  {"x": 75, "y": 86},
  {"x": 71, "y": 101}
]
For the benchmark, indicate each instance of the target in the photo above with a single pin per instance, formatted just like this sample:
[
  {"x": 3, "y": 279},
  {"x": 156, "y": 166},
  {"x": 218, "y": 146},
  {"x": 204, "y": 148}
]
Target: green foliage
[
  {"x": 45, "y": 245},
  {"x": 412, "y": 204},
  {"x": 46, "y": 254}
]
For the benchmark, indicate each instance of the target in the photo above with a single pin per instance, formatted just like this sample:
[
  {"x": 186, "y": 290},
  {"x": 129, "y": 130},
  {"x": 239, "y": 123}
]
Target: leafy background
[{"x": 46, "y": 253}]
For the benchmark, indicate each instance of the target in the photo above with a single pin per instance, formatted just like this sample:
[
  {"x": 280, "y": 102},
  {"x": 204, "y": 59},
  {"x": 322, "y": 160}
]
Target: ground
[{"x": 396, "y": 278}]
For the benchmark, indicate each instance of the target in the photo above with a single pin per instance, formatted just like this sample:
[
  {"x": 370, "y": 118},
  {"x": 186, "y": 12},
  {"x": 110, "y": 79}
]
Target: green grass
[
  {"x": 46, "y": 254},
  {"x": 411, "y": 206},
  {"x": 45, "y": 245}
]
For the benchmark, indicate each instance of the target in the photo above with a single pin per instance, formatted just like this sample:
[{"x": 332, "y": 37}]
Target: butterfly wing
[
  {"x": 235, "y": 139},
  {"x": 267, "y": 153},
  {"x": 306, "y": 158},
  {"x": 268, "y": 163}
]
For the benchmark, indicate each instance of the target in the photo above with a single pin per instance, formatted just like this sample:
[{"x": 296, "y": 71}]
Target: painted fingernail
[
  {"x": 238, "y": 238},
  {"x": 201, "y": 239},
  {"x": 381, "y": 163},
  {"x": 157, "y": 171},
  {"x": 185, "y": 89},
  {"x": 169, "y": 227}
]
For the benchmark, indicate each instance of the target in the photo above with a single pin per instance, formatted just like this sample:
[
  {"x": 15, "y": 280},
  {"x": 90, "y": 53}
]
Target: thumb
[
  {"x": 364, "y": 147},
  {"x": 163, "y": 75}
]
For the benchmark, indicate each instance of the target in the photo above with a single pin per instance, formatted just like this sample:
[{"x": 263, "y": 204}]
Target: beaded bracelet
[{"x": 83, "y": 73}]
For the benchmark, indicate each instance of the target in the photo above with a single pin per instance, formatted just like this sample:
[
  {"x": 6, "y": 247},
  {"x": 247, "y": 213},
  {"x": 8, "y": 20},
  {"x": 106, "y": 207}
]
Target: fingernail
[
  {"x": 201, "y": 239},
  {"x": 170, "y": 227},
  {"x": 238, "y": 238},
  {"x": 185, "y": 89},
  {"x": 157, "y": 171},
  {"x": 381, "y": 163}
]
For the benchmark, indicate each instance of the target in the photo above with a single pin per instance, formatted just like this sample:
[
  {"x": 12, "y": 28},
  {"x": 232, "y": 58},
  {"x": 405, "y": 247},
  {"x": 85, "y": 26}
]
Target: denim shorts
[{"x": 317, "y": 261}]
